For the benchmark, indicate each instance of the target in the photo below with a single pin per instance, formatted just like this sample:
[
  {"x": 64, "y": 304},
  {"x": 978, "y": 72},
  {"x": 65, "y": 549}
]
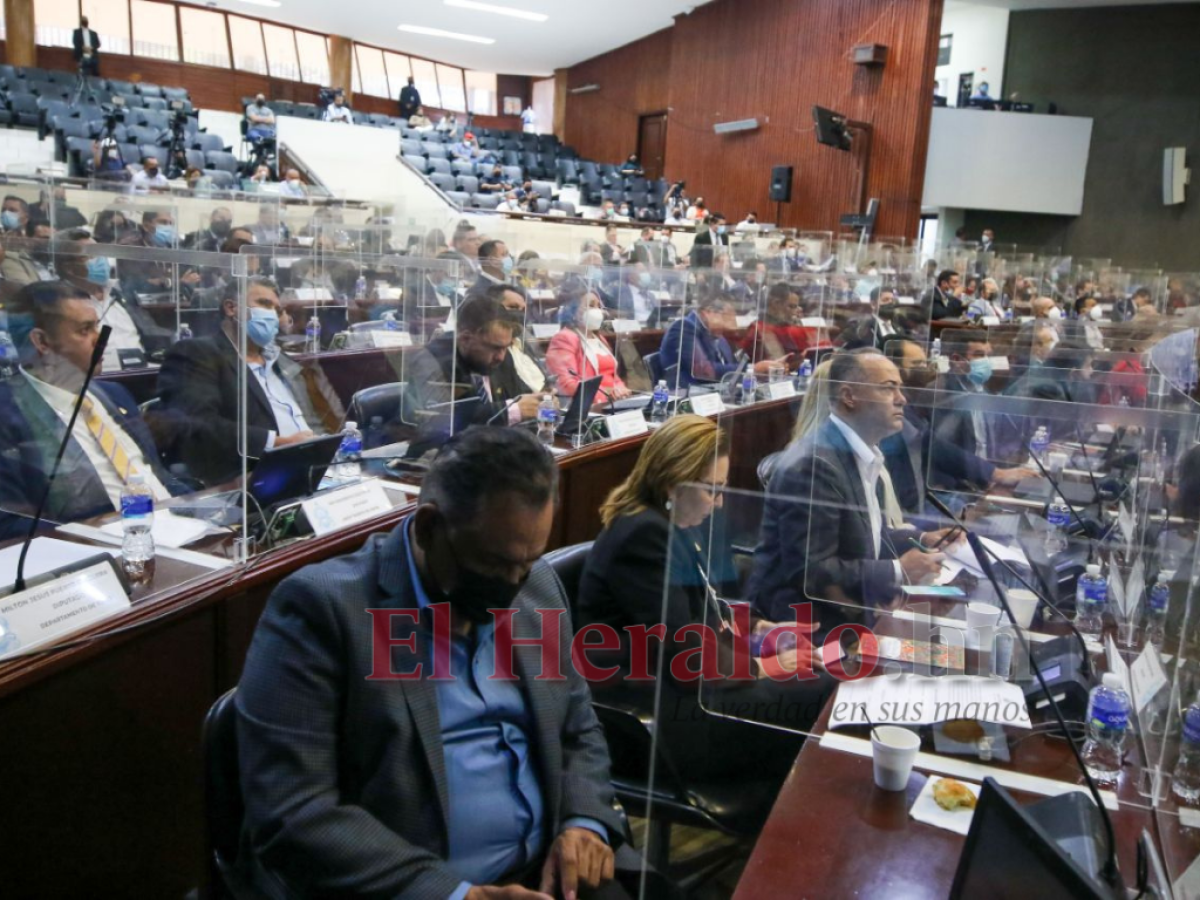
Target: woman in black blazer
[{"x": 660, "y": 528}]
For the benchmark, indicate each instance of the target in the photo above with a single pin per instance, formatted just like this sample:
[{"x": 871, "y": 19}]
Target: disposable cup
[{"x": 894, "y": 750}]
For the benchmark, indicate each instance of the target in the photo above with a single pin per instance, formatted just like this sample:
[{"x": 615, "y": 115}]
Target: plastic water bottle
[
  {"x": 547, "y": 419},
  {"x": 8, "y": 356},
  {"x": 1091, "y": 596},
  {"x": 1107, "y": 724},
  {"x": 804, "y": 376},
  {"x": 137, "y": 522},
  {"x": 360, "y": 288},
  {"x": 185, "y": 331},
  {"x": 1039, "y": 444},
  {"x": 1008, "y": 314},
  {"x": 389, "y": 321},
  {"x": 935, "y": 350},
  {"x": 350, "y": 452},
  {"x": 1058, "y": 516},
  {"x": 1185, "y": 781},
  {"x": 749, "y": 386},
  {"x": 312, "y": 336},
  {"x": 1158, "y": 600},
  {"x": 662, "y": 397}
]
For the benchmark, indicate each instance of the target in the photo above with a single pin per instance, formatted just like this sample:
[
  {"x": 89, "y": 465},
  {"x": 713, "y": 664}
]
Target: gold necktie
[{"x": 107, "y": 440}]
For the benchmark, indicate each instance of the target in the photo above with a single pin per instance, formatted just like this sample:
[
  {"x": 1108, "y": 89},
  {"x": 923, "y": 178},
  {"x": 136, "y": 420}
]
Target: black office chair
[
  {"x": 224, "y": 809},
  {"x": 381, "y": 402},
  {"x": 654, "y": 366},
  {"x": 567, "y": 563},
  {"x": 766, "y": 468}
]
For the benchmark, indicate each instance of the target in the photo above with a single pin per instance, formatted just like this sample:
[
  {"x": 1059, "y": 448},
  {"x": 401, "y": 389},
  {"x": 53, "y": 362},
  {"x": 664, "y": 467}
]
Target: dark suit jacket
[
  {"x": 344, "y": 778},
  {"x": 198, "y": 386},
  {"x": 410, "y": 99},
  {"x": 816, "y": 539},
  {"x": 702, "y": 356},
  {"x": 703, "y": 248},
  {"x": 30, "y": 433},
  {"x": 77, "y": 42},
  {"x": 434, "y": 375},
  {"x": 916, "y": 459},
  {"x": 938, "y": 305}
]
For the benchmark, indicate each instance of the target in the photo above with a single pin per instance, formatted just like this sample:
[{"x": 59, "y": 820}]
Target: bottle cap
[
  {"x": 351, "y": 426},
  {"x": 136, "y": 479},
  {"x": 1166, "y": 575},
  {"x": 1093, "y": 569},
  {"x": 1114, "y": 681}
]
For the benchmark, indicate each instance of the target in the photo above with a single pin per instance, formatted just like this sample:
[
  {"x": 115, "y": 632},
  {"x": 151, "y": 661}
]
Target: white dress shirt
[
  {"x": 125, "y": 335},
  {"x": 63, "y": 402},
  {"x": 870, "y": 463},
  {"x": 289, "y": 419},
  {"x": 335, "y": 113}
]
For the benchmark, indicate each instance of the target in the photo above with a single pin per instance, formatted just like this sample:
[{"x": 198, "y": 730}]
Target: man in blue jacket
[{"x": 694, "y": 344}]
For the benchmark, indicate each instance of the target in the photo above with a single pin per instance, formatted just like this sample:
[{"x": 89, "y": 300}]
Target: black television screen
[{"x": 831, "y": 128}]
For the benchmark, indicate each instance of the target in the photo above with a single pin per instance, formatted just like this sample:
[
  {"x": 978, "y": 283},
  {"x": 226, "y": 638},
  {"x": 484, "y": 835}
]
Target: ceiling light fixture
[
  {"x": 453, "y": 35},
  {"x": 273, "y": 4},
  {"x": 498, "y": 10}
]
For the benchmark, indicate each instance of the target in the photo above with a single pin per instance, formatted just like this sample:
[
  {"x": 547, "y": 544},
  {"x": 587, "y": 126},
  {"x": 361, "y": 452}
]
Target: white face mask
[
  {"x": 593, "y": 319},
  {"x": 1096, "y": 314},
  {"x": 1055, "y": 313}
]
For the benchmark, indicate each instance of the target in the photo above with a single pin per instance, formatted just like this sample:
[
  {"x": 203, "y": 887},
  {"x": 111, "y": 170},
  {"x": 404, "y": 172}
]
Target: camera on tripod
[
  {"x": 113, "y": 113},
  {"x": 326, "y": 95}
]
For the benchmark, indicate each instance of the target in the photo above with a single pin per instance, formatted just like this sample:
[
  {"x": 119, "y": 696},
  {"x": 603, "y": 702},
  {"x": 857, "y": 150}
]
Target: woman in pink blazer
[{"x": 578, "y": 351}]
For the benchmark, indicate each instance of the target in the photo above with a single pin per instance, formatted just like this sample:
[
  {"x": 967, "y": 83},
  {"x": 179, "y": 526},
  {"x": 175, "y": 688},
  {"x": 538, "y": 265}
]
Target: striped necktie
[{"x": 107, "y": 440}]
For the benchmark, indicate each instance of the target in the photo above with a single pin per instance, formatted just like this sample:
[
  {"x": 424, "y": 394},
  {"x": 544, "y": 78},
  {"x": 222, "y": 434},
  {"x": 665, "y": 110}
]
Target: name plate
[
  {"x": 747, "y": 320},
  {"x": 1000, "y": 364},
  {"x": 1147, "y": 677},
  {"x": 906, "y": 301},
  {"x": 660, "y": 295},
  {"x": 626, "y": 425},
  {"x": 707, "y": 404},
  {"x": 313, "y": 294},
  {"x": 781, "y": 390},
  {"x": 347, "y": 506},
  {"x": 386, "y": 339},
  {"x": 814, "y": 322},
  {"x": 543, "y": 330},
  {"x": 44, "y": 614},
  {"x": 541, "y": 294},
  {"x": 626, "y": 326},
  {"x": 990, "y": 321}
]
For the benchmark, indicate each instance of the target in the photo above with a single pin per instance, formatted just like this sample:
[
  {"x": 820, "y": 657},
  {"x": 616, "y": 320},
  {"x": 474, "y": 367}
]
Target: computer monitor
[
  {"x": 1054, "y": 849},
  {"x": 831, "y": 128}
]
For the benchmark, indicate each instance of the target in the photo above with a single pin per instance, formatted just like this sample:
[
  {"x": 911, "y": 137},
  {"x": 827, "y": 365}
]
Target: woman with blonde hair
[{"x": 659, "y": 560}]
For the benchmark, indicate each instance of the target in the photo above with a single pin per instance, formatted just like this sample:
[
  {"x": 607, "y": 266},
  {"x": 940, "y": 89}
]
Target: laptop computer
[
  {"x": 1076, "y": 493},
  {"x": 581, "y": 404},
  {"x": 280, "y": 476}
]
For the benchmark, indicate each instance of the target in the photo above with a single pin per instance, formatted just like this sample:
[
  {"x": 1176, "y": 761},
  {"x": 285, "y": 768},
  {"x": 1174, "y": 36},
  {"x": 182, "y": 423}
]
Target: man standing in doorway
[
  {"x": 87, "y": 48},
  {"x": 410, "y": 100}
]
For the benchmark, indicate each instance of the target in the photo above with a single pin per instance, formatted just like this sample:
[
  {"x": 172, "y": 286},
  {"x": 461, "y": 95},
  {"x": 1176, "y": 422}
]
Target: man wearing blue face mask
[
  {"x": 14, "y": 213},
  {"x": 150, "y": 178},
  {"x": 966, "y": 421},
  {"x": 634, "y": 300},
  {"x": 702, "y": 253},
  {"x": 287, "y": 402},
  {"x": 495, "y": 267}
]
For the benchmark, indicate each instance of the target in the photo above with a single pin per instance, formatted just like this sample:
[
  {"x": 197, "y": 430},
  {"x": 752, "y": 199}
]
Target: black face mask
[
  {"x": 475, "y": 593},
  {"x": 220, "y": 227},
  {"x": 918, "y": 378},
  {"x": 887, "y": 313}
]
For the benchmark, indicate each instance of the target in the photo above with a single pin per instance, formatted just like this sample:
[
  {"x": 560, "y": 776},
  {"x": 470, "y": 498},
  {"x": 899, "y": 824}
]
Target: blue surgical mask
[
  {"x": 507, "y": 265},
  {"x": 720, "y": 229},
  {"x": 98, "y": 270},
  {"x": 981, "y": 371},
  {"x": 445, "y": 287},
  {"x": 10, "y": 220},
  {"x": 263, "y": 326},
  {"x": 644, "y": 279},
  {"x": 164, "y": 235}
]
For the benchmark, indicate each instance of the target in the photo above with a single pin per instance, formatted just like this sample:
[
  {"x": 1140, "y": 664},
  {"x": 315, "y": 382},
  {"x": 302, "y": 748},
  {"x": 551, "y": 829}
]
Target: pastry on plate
[{"x": 951, "y": 795}]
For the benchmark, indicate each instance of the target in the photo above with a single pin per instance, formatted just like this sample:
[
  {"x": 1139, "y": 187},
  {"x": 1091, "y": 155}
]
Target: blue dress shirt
[{"x": 496, "y": 818}]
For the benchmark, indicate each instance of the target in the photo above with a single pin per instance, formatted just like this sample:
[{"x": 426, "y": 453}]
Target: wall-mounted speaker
[
  {"x": 781, "y": 184},
  {"x": 735, "y": 127}
]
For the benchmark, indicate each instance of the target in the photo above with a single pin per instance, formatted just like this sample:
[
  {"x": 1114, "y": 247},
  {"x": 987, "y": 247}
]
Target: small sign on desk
[
  {"x": 781, "y": 390},
  {"x": 544, "y": 331},
  {"x": 44, "y": 614},
  {"x": 386, "y": 340},
  {"x": 709, "y": 404},
  {"x": 626, "y": 326},
  {"x": 347, "y": 506},
  {"x": 626, "y": 424},
  {"x": 814, "y": 322}
]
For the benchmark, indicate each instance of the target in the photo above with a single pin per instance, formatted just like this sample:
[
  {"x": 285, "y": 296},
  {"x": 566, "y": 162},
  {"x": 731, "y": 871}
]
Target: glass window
[
  {"x": 56, "y": 20},
  {"x": 110, "y": 19},
  {"x": 371, "y": 69},
  {"x": 248, "y": 55},
  {"x": 945, "y": 47},
  {"x": 154, "y": 32},
  {"x": 204, "y": 38},
  {"x": 450, "y": 86},
  {"x": 398, "y": 71},
  {"x": 314, "y": 57},
  {"x": 426, "y": 76},
  {"x": 481, "y": 92},
  {"x": 281, "y": 52}
]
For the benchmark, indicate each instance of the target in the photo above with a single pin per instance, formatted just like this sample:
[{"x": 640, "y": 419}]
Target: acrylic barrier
[{"x": 844, "y": 598}]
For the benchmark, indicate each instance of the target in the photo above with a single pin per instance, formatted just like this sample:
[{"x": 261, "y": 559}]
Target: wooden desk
[
  {"x": 101, "y": 741},
  {"x": 832, "y": 833}
]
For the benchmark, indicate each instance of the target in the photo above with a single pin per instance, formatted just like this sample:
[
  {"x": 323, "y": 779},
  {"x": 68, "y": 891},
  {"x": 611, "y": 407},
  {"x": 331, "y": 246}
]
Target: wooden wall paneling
[
  {"x": 18, "y": 22},
  {"x": 341, "y": 65},
  {"x": 773, "y": 60},
  {"x": 634, "y": 79}
]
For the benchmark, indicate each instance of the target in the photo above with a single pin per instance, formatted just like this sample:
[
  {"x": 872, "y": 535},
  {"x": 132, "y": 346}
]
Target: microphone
[
  {"x": 97, "y": 355},
  {"x": 504, "y": 409},
  {"x": 1109, "y": 872},
  {"x": 1054, "y": 485},
  {"x": 1087, "y": 460}
]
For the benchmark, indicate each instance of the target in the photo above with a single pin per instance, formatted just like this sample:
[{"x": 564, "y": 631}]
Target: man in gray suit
[{"x": 360, "y": 784}]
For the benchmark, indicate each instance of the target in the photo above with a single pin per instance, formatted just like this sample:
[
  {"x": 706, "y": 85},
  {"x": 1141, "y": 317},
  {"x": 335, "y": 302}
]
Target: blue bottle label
[
  {"x": 549, "y": 416},
  {"x": 1191, "y": 725},
  {"x": 1160, "y": 596},
  {"x": 1109, "y": 713},
  {"x": 351, "y": 445},
  {"x": 1058, "y": 518},
  {"x": 137, "y": 505},
  {"x": 1093, "y": 593}
]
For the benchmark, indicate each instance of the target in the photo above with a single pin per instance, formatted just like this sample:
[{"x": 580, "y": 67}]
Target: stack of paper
[{"x": 923, "y": 700}]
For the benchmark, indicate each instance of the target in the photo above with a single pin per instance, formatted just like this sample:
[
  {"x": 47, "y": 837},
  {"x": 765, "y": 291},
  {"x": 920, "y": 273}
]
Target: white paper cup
[
  {"x": 894, "y": 750},
  {"x": 1024, "y": 605},
  {"x": 981, "y": 616}
]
